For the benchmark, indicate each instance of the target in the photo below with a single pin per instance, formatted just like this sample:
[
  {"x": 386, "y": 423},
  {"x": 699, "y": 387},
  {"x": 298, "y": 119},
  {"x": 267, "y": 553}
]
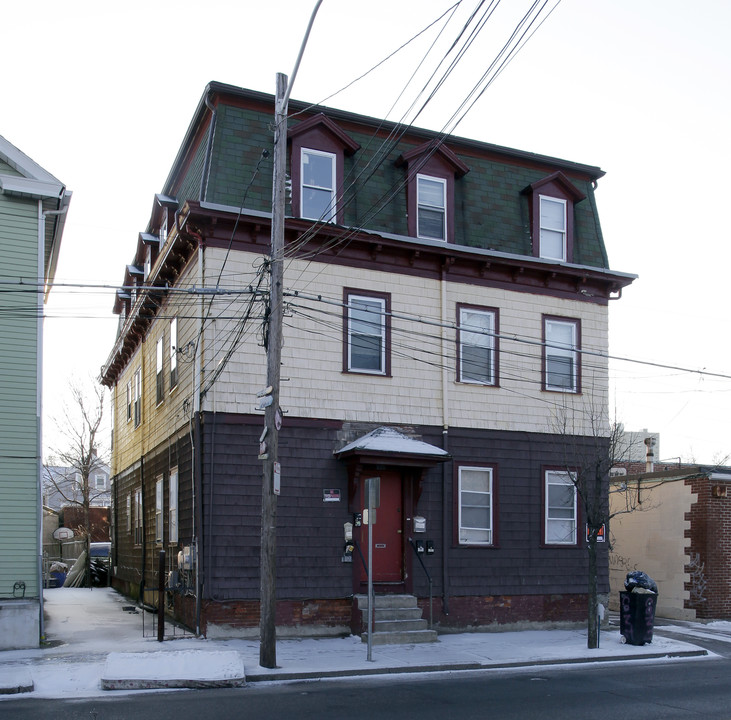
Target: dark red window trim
[
  {"x": 319, "y": 133},
  {"x": 579, "y": 514},
  {"x": 458, "y": 369},
  {"x": 577, "y": 323},
  {"x": 559, "y": 187},
  {"x": 495, "y": 544},
  {"x": 386, "y": 297}
]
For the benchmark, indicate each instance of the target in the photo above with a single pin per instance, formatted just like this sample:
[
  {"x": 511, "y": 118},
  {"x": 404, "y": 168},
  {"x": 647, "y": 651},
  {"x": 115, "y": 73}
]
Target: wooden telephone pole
[
  {"x": 268, "y": 554},
  {"x": 272, "y": 411}
]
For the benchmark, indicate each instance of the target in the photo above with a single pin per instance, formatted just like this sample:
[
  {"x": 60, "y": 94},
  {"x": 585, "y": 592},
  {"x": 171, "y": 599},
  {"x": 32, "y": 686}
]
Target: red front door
[{"x": 388, "y": 538}]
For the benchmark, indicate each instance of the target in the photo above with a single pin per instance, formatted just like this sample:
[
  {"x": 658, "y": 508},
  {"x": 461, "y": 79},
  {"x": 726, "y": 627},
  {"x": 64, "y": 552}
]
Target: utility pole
[
  {"x": 272, "y": 411},
  {"x": 268, "y": 556}
]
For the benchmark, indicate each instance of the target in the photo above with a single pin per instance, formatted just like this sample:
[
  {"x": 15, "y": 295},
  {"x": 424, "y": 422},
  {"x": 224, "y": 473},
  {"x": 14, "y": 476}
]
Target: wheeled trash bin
[{"x": 637, "y": 616}]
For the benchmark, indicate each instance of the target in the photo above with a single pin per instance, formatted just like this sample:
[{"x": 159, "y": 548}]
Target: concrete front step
[
  {"x": 397, "y": 620},
  {"x": 399, "y": 625},
  {"x": 387, "y": 601}
]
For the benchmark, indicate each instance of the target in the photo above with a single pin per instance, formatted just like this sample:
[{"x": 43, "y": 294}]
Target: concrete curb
[
  {"x": 19, "y": 680},
  {"x": 16, "y": 681},
  {"x": 455, "y": 667},
  {"x": 139, "y": 671}
]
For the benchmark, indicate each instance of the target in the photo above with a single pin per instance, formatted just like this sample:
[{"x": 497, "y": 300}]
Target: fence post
[{"x": 161, "y": 597}]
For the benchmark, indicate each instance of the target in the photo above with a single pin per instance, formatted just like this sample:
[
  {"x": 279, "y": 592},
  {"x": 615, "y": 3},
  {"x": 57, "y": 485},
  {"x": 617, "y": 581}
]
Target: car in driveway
[{"x": 100, "y": 554}]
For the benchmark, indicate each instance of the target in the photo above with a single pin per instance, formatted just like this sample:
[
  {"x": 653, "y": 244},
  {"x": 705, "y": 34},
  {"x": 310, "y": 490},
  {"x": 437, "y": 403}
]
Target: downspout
[
  {"x": 42, "y": 215},
  {"x": 197, "y": 459},
  {"x": 446, "y": 515},
  {"x": 39, "y": 415},
  {"x": 141, "y": 593},
  {"x": 209, "y": 148}
]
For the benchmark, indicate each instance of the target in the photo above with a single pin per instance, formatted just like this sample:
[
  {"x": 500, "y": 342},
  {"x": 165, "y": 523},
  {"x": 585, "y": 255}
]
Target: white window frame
[
  {"x": 159, "y": 529},
  {"x": 100, "y": 481},
  {"x": 173, "y": 353},
  {"x": 129, "y": 513},
  {"x": 556, "y": 350},
  {"x": 470, "y": 534},
  {"x": 423, "y": 204},
  {"x": 330, "y": 213},
  {"x": 379, "y": 330},
  {"x": 164, "y": 227},
  {"x": 555, "y": 515},
  {"x": 148, "y": 262},
  {"x": 546, "y": 227},
  {"x": 479, "y": 338},
  {"x": 159, "y": 376},
  {"x": 137, "y": 397},
  {"x": 138, "y": 517},
  {"x": 129, "y": 401},
  {"x": 173, "y": 507}
]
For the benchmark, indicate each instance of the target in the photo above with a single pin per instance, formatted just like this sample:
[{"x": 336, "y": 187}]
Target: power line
[{"x": 510, "y": 337}]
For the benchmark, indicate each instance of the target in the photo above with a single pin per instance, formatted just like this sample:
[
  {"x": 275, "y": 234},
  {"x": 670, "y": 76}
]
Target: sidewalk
[{"x": 94, "y": 646}]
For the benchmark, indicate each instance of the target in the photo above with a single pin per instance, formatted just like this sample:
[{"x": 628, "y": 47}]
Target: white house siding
[{"x": 317, "y": 387}]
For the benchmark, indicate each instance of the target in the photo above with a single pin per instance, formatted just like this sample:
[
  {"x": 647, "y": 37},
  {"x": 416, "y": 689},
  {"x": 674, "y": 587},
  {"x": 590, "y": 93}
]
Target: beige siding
[
  {"x": 653, "y": 540},
  {"x": 313, "y": 342},
  {"x": 158, "y": 420}
]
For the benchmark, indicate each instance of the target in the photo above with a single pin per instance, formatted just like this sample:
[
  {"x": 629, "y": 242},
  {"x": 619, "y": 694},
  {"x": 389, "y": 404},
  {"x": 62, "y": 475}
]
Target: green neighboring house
[{"x": 33, "y": 207}]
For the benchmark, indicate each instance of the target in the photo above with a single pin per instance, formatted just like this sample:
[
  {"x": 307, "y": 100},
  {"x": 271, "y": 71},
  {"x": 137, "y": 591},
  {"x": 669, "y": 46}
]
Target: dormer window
[
  {"x": 164, "y": 206},
  {"x": 552, "y": 202},
  {"x": 148, "y": 261},
  {"x": 431, "y": 203},
  {"x": 552, "y": 231},
  {"x": 163, "y": 228},
  {"x": 317, "y": 199},
  {"x": 431, "y": 170},
  {"x": 317, "y": 164}
]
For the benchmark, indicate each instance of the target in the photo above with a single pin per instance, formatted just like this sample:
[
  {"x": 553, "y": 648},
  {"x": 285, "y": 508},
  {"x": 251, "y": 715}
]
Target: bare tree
[
  {"x": 80, "y": 458},
  {"x": 588, "y": 459}
]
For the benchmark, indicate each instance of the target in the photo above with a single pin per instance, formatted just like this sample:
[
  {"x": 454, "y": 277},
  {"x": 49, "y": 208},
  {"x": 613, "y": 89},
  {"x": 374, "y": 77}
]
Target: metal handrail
[{"x": 421, "y": 562}]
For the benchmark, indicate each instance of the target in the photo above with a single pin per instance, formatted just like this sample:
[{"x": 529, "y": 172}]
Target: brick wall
[{"x": 710, "y": 549}]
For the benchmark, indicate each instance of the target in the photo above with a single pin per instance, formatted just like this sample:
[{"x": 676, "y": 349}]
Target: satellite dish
[{"x": 63, "y": 533}]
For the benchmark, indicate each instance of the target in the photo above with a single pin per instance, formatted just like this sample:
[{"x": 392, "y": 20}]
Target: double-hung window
[
  {"x": 173, "y": 508},
  {"x": 158, "y": 511},
  {"x": 560, "y": 355},
  {"x": 475, "y": 506},
  {"x": 138, "y": 516},
  {"x": 129, "y": 400},
  {"x": 173, "y": 353},
  {"x": 100, "y": 482},
  {"x": 431, "y": 207},
  {"x": 552, "y": 228},
  {"x": 129, "y": 513},
  {"x": 367, "y": 334},
  {"x": 560, "y": 508},
  {"x": 137, "y": 396},
  {"x": 477, "y": 346},
  {"x": 318, "y": 185},
  {"x": 159, "y": 377}
]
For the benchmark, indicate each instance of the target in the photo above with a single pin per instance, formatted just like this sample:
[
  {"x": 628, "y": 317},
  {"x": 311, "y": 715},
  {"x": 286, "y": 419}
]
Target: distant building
[
  {"x": 62, "y": 486},
  {"x": 33, "y": 207},
  {"x": 680, "y": 535}
]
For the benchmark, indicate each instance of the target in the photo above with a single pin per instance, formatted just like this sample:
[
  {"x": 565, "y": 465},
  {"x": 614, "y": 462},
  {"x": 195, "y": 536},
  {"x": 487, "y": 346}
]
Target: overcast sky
[{"x": 101, "y": 94}]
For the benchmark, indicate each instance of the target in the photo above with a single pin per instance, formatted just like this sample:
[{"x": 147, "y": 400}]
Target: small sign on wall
[
  {"x": 330, "y": 495},
  {"x": 601, "y": 535}
]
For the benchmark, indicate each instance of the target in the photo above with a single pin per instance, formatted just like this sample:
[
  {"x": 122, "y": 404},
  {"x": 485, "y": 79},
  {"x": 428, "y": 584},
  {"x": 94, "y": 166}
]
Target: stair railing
[{"x": 428, "y": 576}]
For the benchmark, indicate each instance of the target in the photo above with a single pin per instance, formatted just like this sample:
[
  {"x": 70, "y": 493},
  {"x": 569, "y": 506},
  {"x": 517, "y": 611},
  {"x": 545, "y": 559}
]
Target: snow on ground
[{"x": 92, "y": 637}]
